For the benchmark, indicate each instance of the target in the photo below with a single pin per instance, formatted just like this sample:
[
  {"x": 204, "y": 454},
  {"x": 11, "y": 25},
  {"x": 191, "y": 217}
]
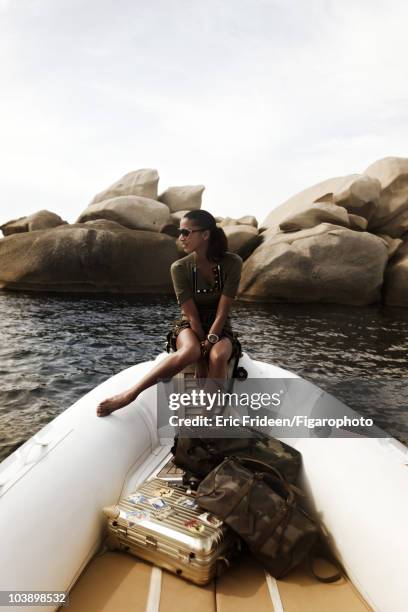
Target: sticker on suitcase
[
  {"x": 158, "y": 503},
  {"x": 194, "y": 526},
  {"x": 161, "y": 514},
  {"x": 136, "y": 516},
  {"x": 137, "y": 498},
  {"x": 187, "y": 502},
  {"x": 210, "y": 519}
]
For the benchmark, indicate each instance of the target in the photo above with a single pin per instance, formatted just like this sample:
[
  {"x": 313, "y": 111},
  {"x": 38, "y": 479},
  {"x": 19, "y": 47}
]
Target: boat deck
[{"x": 118, "y": 582}]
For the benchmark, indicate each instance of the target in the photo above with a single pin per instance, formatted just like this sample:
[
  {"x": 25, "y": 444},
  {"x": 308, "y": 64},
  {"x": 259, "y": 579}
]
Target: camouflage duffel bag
[
  {"x": 201, "y": 455},
  {"x": 262, "y": 508}
]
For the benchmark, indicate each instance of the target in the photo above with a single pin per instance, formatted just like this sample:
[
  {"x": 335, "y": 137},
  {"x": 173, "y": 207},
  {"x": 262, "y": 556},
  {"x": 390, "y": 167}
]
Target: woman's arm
[
  {"x": 233, "y": 276},
  {"x": 229, "y": 292},
  {"x": 190, "y": 310},
  {"x": 184, "y": 294},
  {"x": 223, "y": 309}
]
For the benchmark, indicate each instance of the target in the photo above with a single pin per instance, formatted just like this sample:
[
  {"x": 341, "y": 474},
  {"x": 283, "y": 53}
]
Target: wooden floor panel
[
  {"x": 243, "y": 588},
  {"x": 301, "y": 592},
  {"x": 178, "y": 595},
  {"x": 112, "y": 582},
  {"x": 118, "y": 582}
]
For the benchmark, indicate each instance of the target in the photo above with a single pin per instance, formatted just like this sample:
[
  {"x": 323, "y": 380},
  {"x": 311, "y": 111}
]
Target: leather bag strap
[
  {"x": 315, "y": 554},
  {"x": 290, "y": 489}
]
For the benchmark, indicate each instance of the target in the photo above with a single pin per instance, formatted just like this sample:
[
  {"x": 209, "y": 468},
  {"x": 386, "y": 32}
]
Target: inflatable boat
[{"x": 53, "y": 489}]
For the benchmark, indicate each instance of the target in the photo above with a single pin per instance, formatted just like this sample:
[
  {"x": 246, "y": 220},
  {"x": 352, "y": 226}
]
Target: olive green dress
[{"x": 188, "y": 283}]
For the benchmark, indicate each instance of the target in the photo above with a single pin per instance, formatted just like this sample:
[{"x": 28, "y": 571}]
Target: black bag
[
  {"x": 262, "y": 508},
  {"x": 201, "y": 455}
]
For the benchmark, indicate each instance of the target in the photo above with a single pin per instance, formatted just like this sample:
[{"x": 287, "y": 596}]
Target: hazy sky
[{"x": 256, "y": 99}]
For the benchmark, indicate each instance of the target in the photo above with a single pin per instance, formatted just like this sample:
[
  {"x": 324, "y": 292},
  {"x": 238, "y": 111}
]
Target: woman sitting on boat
[{"x": 206, "y": 283}]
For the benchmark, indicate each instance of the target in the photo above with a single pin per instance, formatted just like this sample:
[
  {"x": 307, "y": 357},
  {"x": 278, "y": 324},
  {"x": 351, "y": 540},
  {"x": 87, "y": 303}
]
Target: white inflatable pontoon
[{"x": 53, "y": 489}]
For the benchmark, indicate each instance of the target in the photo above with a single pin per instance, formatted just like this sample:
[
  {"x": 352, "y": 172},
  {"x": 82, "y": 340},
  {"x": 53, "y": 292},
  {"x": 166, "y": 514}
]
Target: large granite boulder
[
  {"x": 242, "y": 239},
  {"x": 98, "y": 256},
  {"x": 356, "y": 193},
  {"x": 137, "y": 183},
  {"x": 391, "y": 215},
  {"x": 322, "y": 212},
  {"x": 177, "y": 216},
  {"x": 42, "y": 219},
  {"x": 357, "y": 222},
  {"x": 187, "y": 197},
  {"x": 133, "y": 212},
  {"x": 393, "y": 244},
  {"x": 327, "y": 263},
  {"x": 359, "y": 195},
  {"x": 248, "y": 220},
  {"x": 301, "y": 201},
  {"x": 229, "y": 221},
  {"x": 396, "y": 278}
]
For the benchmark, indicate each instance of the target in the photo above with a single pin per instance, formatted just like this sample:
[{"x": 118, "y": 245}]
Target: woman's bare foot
[{"x": 113, "y": 403}]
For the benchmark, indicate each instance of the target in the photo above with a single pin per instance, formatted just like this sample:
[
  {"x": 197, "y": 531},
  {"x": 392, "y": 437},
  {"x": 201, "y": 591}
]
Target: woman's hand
[
  {"x": 199, "y": 332},
  {"x": 205, "y": 347}
]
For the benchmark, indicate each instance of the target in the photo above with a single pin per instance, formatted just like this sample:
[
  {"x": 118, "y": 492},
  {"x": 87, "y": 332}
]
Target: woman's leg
[
  {"x": 218, "y": 366},
  {"x": 218, "y": 358},
  {"x": 188, "y": 352}
]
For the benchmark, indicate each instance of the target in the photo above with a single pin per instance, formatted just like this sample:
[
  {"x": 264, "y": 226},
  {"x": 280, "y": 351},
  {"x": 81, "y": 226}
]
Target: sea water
[{"x": 55, "y": 348}]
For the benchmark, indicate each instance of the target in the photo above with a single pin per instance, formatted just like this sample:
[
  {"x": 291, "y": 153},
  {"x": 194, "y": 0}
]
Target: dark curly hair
[{"x": 218, "y": 243}]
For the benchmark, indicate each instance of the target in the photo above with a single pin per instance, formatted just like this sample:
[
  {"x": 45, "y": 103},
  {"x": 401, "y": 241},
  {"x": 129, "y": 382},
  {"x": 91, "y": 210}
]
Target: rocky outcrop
[
  {"x": 393, "y": 244},
  {"x": 301, "y": 201},
  {"x": 98, "y": 256},
  {"x": 359, "y": 195},
  {"x": 356, "y": 193},
  {"x": 334, "y": 242},
  {"x": 42, "y": 219},
  {"x": 327, "y": 263},
  {"x": 183, "y": 198},
  {"x": 396, "y": 278},
  {"x": 322, "y": 212},
  {"x": 372, "y": 206},
  {"x": 177, "y": 216},
  {"x": 137, "y": 183},
  {"x": 242, "y": 239},
  {"x": 133, "y": 212},
  {"x": 228, "y": 221},
  {"x": 391, "y": 215}
]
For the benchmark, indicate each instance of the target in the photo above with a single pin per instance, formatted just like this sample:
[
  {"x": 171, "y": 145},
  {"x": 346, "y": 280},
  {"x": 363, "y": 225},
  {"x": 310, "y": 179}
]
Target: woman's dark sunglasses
[{"x": 186, "y": 232}]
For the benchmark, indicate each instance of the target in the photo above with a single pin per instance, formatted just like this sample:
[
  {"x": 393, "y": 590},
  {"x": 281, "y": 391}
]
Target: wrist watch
[{"x": 213, "y": 338}]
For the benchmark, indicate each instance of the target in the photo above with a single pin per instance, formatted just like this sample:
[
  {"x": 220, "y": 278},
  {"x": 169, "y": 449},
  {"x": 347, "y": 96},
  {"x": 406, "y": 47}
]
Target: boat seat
[
  {"x": 189, "y": 372},
  {"x": 186, "y": 380}
]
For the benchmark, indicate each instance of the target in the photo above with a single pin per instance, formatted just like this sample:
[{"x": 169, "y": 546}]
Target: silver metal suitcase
[{"x": 163, "y": 524}]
